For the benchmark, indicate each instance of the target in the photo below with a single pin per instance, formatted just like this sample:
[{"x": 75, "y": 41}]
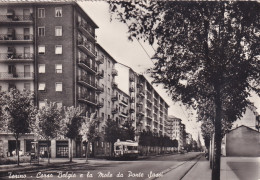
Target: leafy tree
[
  {"x": 71, "y": 125},
  {"x": 48, "y": 123},
  {"x": 127, "y": 131},
  {"x": 18, "y": 113},
  {"x": 88, "y": 131},
  {"x": 205, "y": 51},
  {"x": 112, "y": 132}
]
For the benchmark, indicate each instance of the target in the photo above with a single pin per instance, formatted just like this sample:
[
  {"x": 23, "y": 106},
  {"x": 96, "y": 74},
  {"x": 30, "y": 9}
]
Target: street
[{"x": 163, "y": 167}]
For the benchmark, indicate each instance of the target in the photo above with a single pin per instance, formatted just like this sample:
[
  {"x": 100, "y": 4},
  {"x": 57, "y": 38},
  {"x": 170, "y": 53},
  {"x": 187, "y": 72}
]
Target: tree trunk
[
  {"x": 48, "y": 150},
  {"x": 17, "y": 151},
  {"x": 70, "y": 150},
  {"x": 218, "y": 138},
  {"x": 87, "y": 152}
]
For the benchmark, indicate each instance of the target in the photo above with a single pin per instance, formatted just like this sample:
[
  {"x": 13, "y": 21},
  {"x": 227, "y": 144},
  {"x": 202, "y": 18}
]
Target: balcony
[
  {"x": 123, "y": 114},
  {"x": 132, "y": 110},
  {"x": 87, "y": 47},
  {"x": 149, "y": 117},
  {"x": 85, "y": 98},
  {"x": 99, "y": 89},
  {"x": 83, "y": 80},
  {"x": 139, "y": 103},
  {"x": 86, "y": 30},
  {"x": 149, "y": 100},
  {"x": 17, "y": 76},
  {"x": 132, "y": 89},
  {"x": 114, "y": 85},
  {"x": 114, "y": 72},
  {"x": 114, "y": 111},
  {"x": 114, "y": 98},
  {"x": 100, "y": 74},
  {"x": 141, "y": 94},
  {"x": 141, "y": 112},
  {"x": 149, "y": 108},
  {"x": 85, "y": 64},
  {"x": 123, "y": 102},
  {"x": 16, "y": 57},
  {"x": 100, "y": 104},
  {"x": 16, "y": 38},
  {"x": 16, "y": 19},
  {"x": 132, "y": 78},
  {"x": 140, "y": 84},
  {"x": 132, "y": 100},
  {"x": 100, "y": 60}
]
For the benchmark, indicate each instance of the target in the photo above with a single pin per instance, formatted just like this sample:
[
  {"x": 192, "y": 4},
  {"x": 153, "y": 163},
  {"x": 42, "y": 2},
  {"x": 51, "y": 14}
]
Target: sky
[{"x": 113, "y": 37}]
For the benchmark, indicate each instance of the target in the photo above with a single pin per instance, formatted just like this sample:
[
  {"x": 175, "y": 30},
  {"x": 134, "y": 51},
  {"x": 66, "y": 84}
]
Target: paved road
[{"x": 165, "y": 167}]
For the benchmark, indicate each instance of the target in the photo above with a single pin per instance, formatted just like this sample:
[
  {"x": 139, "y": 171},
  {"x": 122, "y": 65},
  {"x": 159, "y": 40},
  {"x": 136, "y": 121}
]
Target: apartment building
[
  {"x": 148, "y": 110},
  {"x": 48, "y": 48}
]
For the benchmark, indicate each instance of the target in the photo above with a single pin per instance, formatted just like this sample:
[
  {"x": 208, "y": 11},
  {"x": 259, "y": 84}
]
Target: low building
[{"x": 242, "y": 141}]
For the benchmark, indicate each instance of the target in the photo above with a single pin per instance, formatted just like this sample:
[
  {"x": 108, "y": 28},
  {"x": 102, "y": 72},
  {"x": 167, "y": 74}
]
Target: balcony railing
[
  {"x": 140, "y": 84},
  {"x": 87, "y": 98},
  {"x": 132, "y": 110},
  {"x": 132, "y": 78},
  {"x": 114, "y": 85},
  {"x": 16, "y": 18},
  {"x": 100, "y": 74},
  {"x": 88, "y": 46},
  {"x": 114, "y": 72},
  {"x": 87, "y": 65},
  {"x": 141, "y": 93},
  {"x": 100, "y": 89},
  {"x": 141, "y": 112},
  {"x": 100, "y": 104},
  {"x": 114, "y": 98},
  {"x": 100, "y": 60},
  {"x": 140, "y": 103},
  {"x": 16, "y": 75},
  {"x": 16, "y": 37},
  {"x": 86, "y": 27},
  {"x": 114, "y": 111},
  {"x": 132, "y": 89},
  {"x": 86, "y": 81},
  {"x": 132, "y": 100},
  {"x": 16, "y": 56}
]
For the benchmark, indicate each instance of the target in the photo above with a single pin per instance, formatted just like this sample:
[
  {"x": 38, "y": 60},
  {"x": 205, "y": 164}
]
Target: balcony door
[
  {"x": 26, "y": 33},
  {"x": 26, "y": 52},
  {"x": 26, "y": 70},
  {"x": 26, "y": 14}
]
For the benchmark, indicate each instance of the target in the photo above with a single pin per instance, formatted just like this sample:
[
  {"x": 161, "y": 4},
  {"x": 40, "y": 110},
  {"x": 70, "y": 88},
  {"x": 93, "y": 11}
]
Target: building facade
[{"x": 50, "y": 48}]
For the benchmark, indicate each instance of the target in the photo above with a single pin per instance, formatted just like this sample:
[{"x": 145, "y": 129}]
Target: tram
[{"x": 126, "y": 149}]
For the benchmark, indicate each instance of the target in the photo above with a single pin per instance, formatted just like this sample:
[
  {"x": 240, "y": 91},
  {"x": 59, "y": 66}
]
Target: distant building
[{"x": 250, "y": 118}]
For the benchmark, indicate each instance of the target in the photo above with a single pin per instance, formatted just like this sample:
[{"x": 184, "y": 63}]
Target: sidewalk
[{"x": 232, "y": 168}]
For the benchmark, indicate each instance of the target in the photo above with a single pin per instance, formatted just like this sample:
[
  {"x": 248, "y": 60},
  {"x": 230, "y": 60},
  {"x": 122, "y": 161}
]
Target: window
[
  {"x": 11, "y": 69},
  {"x": 108, "y": 77},
  {"x": 58, "y": 49},
  {"x": 58, "y": 12},
  {"x": 58, "y": 86},
  {"x": 58, "y": 30},
  {"x": 108, "y": 90},
  {"x": 58, "y": 68},
  {"x": 108, "y": 63},
  {"x": 42, "y": 87},
  {"x": 27, "y": 86},
  {"x": 109, "y": 104},
  {"x": 41, "y": 13},
  {"x": 41, "y": 68},
  {"x": 41, "y": 104},
  {"x": 41, "y": 31},
  {"x": 41, "y": 49}
]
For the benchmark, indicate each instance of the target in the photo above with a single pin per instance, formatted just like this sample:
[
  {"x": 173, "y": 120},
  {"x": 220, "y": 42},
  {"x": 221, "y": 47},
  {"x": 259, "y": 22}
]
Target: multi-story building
[
  {"x": 182, "y": 135},
  {"x": 49, "y": 48}
]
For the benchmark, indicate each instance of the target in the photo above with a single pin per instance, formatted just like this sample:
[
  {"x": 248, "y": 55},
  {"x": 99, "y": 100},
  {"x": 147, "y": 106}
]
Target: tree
[
  {"x": 88, "y": 131},
  {"x": 205, "y": 51},
  {"x": 18, "y": 113},
  {"x": 112, "y": 132},
  {"x": 127, "y": 131},
  {"x": 71, "y": 125},
  {"x": 48, "y": 123}
]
